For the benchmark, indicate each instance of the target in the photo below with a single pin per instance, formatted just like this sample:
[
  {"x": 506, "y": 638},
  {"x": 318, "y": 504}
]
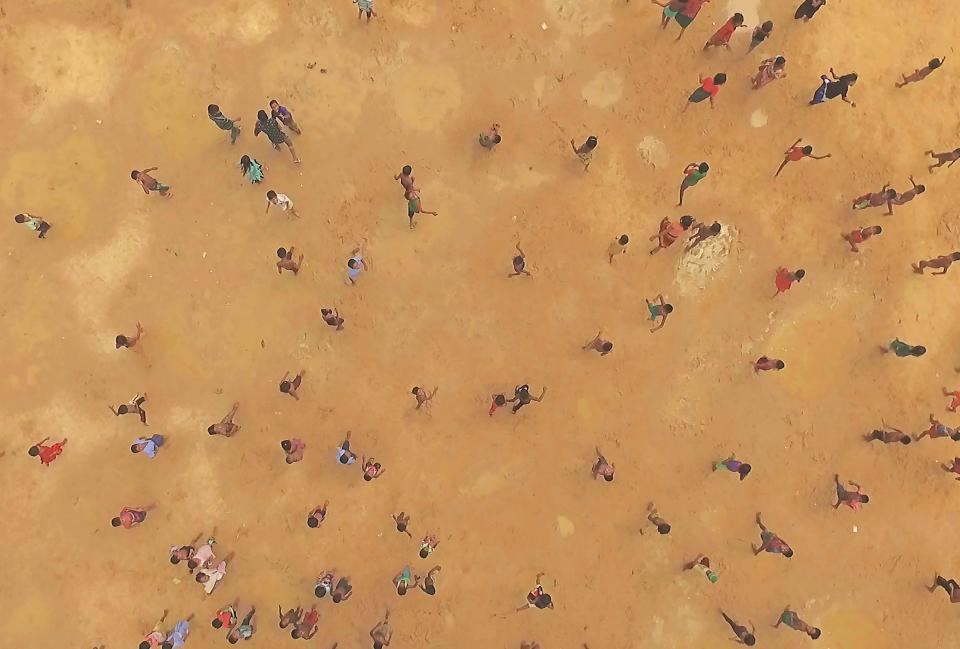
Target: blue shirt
[
  {"x": 152, "y": 444},
  {"x": 341, "y": 452},
  {"x": 179, "y": 634}
]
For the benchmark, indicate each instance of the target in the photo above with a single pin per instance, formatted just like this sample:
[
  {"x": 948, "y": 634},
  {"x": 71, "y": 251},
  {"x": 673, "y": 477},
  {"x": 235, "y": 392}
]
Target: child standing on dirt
[
  {"x": 659, "y": 310},
  {"x": 224, "y": 122},
  {"x": 365, "y": 7},
  {"x": 785, "y": 279},
  {"x": 943, "y": 262},
  {"x": 722, "y": 36},
  {"x": 585, "y": 150},
  {"x": 47, "y": 454},
  {"x": 150, "y": 184},
  {"x": 415, "y": 206},
  {"x": 943, "y": 158},
  {"x": 709, "y": 88},
  {"x": 34, "y": 223},
  {"x": 905, "y": 197},
  {"x": 269, "y": 125},
  {"x": 491, "y": 137},
  {"x": 283, "y": 114},
  {"x": 286, "y": 261},
  {"x": 693, "y": 173},
  {"x": 796, "y": 153},
  {"x": 921, "y": 73},
  {"x": 284, "y": 202},
  {"x": 760, "y": 34}
]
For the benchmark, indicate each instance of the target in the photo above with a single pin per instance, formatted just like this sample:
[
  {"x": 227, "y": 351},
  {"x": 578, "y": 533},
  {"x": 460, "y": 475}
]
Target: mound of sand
[{"x": 698, "y": 266}]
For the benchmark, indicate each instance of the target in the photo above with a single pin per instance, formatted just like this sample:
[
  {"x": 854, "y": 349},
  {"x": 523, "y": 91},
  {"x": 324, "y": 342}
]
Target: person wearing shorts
[
  {"x": 34, "y": 223},
  {"x": 269, "y": 125},
  {"x": 223, "y": 122},
  {"x": 344, "y": 455},
  {"x": 283, "y": 114}
]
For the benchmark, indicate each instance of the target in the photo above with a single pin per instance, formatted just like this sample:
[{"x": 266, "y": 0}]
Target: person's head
[
  {"x": 274, "y": 104},
  {"x": 285, "y": 445},
  {"x": 875, "y": 229},
  {"x": 415, "y": 390},
  {"x": 955, "y": 437},
  {"x": 262, "y": 115},
  {"x": 282, "y": 253},
  {"x": 402, "y": 588},
  {"x": 20, "y": 218},
  {"x": 500, "y": 400},
  {"x": 663, "y": 528},
  {"x": 217, "y": 623},
  {"x": 337, "y": 598},
  {"x": 807, "y": 150},
  {"x": 367, "y": 477},
  {"x": 788, "y": 552},
  {"x": 202, "y": 578},
  {"x": 905, "y": 439},
  {"x": 890, "y": 193},
  {"x": 719, "y": 79},
  {"x": 245, "y": 161},
  {"x": 424, "y": 552},
  {"x": 849, "y": 79},
  {"x": 703, "y": 167},
  {"x": 122, "y": 341},
  {"x": 607, "y": 346},
  {"x": 497, "y": 139},
  {"x": 800, "y": 274},
  {"x": 686, "y": 221},
  {"x": 737, "y": 19},
  {"x": 377, "y": 645},
  {"x": 744, "y": 470},
  {"x": 956, "y": 152},
  {"x": 715, "y": 228},
  {"x": 668, "y": 308},
  {"x": 623, "y": 240},
  {"x": 814, "y": 633},
  {"x": 313, "y": 521},
  {"x": 213, "y": 109},
  {"x": 955, "y": 256},
  {"x": 430, "y": 589},
  {"x": 352, "y": 263},
  {"x": 33, "y": 451},
  {"x": 591, "y": 142},
  {"x": 919, "y": 350},
  {"x": 166, "y": 645},
  {"x": 144, "y": 645},
  {"x": 779, "y": 62},
  {"x": 192, "y": 564},
  {"x": 608, "y": 477},
  {"x": 285, "y": 387},
  {"x": 320, "y": 591},
  {"x": 864, "y": 498},
  {"x": 543, "y": 601},
  {"x": 749, "y": 640},
  {"x": 934, "y": 63},
  {"x": 232, "y": 639},
  {"x": 123, "y": 409},
  {"x": 767, "y": 26},
  {"x": 135, "y": 448},
  {"x": 407, "y": 170},
  {"x": 780, "y": 365},
  {"x": 295, "y": 633},
  {"x": 272, "y": 196},
  {"x": 115, "y": 521},
  {"x": 211, "y": 430},
  {"x": 921, "y": 189},
  {"x": 135, "y": 174}
]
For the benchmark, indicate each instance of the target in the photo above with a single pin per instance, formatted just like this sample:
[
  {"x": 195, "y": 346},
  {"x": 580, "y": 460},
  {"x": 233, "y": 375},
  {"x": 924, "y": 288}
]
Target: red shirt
[
  {"x": 784, "y": 279},
  {"x": 795, "y": 153},
  {"x": 127, "y": 518},
  {"x": 710, "y": 86},
  {"x": 692, "y": 8},
  {"x": 311, "y": 618},
  {"x": 493, "y": 408},
  {"x": 723, "y": 34},
  {"x": 49, "y": 453}
]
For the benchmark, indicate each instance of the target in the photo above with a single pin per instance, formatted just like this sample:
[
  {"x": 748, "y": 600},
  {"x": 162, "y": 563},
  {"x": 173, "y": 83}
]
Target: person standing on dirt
[
  {"x": 283, "y": 114},
  {"x": 269, "y": 125},
  {"x": 134, "y": 406},
  {"x": 223, "y": 122},
  {"x": 723, "y": 35},
  {"x": 519, "y": 263},
  {"x": 943, "y": 158},
  {"x": 743, "y": 636},
  {"x": 770, "y": 542},
  {"x": 342, "y": 591},
  {"x": 293, "y": 448},
  {"x": 951, "y": 586},
  {"x": 796, "y": 153},
  {"x": 244, "y": 630},
  {"x": 585, "y": 150},
  {"x": 902, "y": 349},
  {"x": 598, "y": 344},
  {"x": 47, "y": 454},
  {"x": 693, "y": 173},
  {"x": 709, "y": 88},
  {"x": 381, "y": 633},
  {"x": 701, "y": 234},
  {"x": 792, "y": 620},
  {"x": 860, "y": 235},
  {"x": 522, "y": 396},
  {"x": 291, "y": 387},
  {"x": 852, "y": 499},
  {"x": 286, "y": 261},
  {"x": 537, "y": 598},
  {"x": 807, "y": 9},
  {"x": 784, "y": 279},
  {"x": 765, "y": 364},
  {"x": 317, "y": 515},
  {"x": 663, "y": 527},
  {"x": 226, "y": 427},
  {"x": 150, "y": 184},
  {"x": 835, "y": 87},
  {"x": 422, "y": 396},
  {"x": 658, "y": 309},
  {"x": 130, "y": 517},
  {"x": 406, "y": 179},
  {"x": 905, "y": 197},
  {"x": 34, "y": 224},
  {"x": 890, "y": 436},
  {"x": 129, "y": 341}
]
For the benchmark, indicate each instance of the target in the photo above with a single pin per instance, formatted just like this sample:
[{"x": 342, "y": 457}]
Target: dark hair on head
[
  {"x": 815, "y": 633},
  {"x": 217, "y": 623},
  {"x": 115, "y": 521},
  {"x": 663, "y": 528},
  {"x": 592, "y": 141},
  {"x": 934, "y": 63},
  {"x": 781, "y": 365},
  {"x": 144, "y": 645},
  {"x": 377, "y": 645},
  {"x": 281, "y": 252},
  {"x": 807, "y": 149},
  {"x": 800, "y": 274},
  {"x": 344, "y": 459},
  {"x": 544, "y": 600},
  {"x": 849, "y": 78},
  {"x": 174, "y": 559},
  {"x": 294, "y": 633},
  {"x": 905, "y": 439},
  {"x": 166, "y": 645},
  {"x": 744, "y": 470},
  {"x": 271, "y": 195},
  {"x": 192, "y": 564},
  {"x": 415, "y": 389},
  {"x": 213, "y": 109},
  {"x": 788, "y": 552},
  {"x": 407, "y": 170},
  {"x": 608, "y": 477},
  {"x": 623, "y": 240},
  {"x": 211, "y": 431},
  {"x": 284, "y": 387},
  {"x": 715, "y": 228},
  {"x": 780, "y": 61},
  {"x": 232, "y": 639},
  {"x": 121, "y": 341},
  {"x": 351, "y": 263},
  {"x": 497, "y": 139},
  {"x": 401, "y": 589},
  {"x": 424, "y": 553},
  {"x": 285, "y": 444},
  {"x": 686, "y": 221},
  {"x": 320, "y": 591},
  {"x": 879, "y": 229},
  {"x": 134, "y": 449},
  {"x": 201, "y": 578},
  {"x": 890, "y": 193},
  {"x": 749, "y": 640},
  {"x": 607, "y": 346},
  {"x": 919, "y": 350},
  {"x": 703, "y": 167},
  {"x": 274, "y": 101},
  {"x": 134, "y": 174},
  {"x": 367, "y": 477},
  {"x": 20, "y": 218},
  {"x": 500, "y": 400},
  {"x": 767, "y": 26},
  {"x": 262, "y": 114},
  {"x": 864, "y": 498},
  {"x": 955, "y": 256},
  {"x": 337, "y": 597},
  {"x": 33, "y": 451},
  {"x": 737, "y": 17},
  {"x": 123, "y": 409},
  {"x": 921, "y": 189},
  {"x": 720, "y": 78},
  {"x": 313, "y": 521},
  {"x": 668, "y": 308}
]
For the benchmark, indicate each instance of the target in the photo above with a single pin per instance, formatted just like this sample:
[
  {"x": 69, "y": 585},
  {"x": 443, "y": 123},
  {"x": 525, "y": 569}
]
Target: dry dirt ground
[{"x": 95, "y": 89}]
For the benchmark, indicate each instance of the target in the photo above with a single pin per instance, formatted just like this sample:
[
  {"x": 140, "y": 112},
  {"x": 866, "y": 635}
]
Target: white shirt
[
  {"x": 214, "y": 575},
  {"x": 284, "y": 202}
]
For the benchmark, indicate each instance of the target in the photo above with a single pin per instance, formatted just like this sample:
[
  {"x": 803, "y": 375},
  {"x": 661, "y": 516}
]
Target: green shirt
[
  {"x": 694, "y": 177},
  {"x": 901, "y": 348}
]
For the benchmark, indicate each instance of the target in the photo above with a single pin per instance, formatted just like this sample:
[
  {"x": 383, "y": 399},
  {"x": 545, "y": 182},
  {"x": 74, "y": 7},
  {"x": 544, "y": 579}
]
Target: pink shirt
[
  {"x": 204, "y": 554},
  {"x": 214, "y": 575}
]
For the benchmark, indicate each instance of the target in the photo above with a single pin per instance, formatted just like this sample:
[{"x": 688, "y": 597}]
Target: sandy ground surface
[{"x": 95, "y": 90}]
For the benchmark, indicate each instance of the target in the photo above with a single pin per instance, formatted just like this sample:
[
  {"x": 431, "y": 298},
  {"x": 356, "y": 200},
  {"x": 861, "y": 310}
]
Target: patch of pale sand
[
  {"x": 653, "y": 151},
  {"x": 97, "y": 276},
  {"x": 852, "y": 627},
  {"x": 758, "y": 118},
  {"x": 750, "y": 9},
  {"x": 698, "y": 267},
  {"x": 325, "y": 19},
  {"x": 682, "y": 628},
  {"x": 414, "y": 12},
  {"x": 438, "y": 94},
  {"x": 27, "y": 176},
  {"x": 257, "y": 21},
  {"x": 605, "y": 89},
  {"x": 565, "y": 527},
  {"x": 69, "y": 64},
  {"x": 485, "y": 484},
  {"x": 583, "y": 17},
  {"x": 521, "y": 177}
]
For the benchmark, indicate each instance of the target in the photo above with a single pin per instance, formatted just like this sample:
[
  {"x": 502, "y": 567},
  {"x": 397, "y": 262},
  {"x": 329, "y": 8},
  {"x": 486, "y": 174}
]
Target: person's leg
[
  {"x": 234, "y": 134},
  {"x": 293, "y": 152},
  {"x": 683, "y": 188},
  {"x": 782, "y": 165}
]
